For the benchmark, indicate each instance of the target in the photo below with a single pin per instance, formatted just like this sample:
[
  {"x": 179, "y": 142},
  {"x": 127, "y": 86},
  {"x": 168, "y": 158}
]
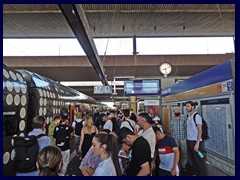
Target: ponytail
[
  {"x": 48, "y": 161},
  {"x": 111, "y": 140}
]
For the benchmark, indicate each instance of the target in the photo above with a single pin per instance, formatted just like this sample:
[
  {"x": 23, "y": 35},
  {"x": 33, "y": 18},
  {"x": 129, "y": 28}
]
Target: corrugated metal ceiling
[{"x": 113, "y": 20}]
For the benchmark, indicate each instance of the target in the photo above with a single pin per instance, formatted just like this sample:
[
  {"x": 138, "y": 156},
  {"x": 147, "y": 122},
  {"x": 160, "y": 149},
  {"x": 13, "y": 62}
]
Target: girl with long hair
[
  {"x": 87, "y": 134},
  {"x": 105, "y": 145},
  {"x": 49, "y": 161}
]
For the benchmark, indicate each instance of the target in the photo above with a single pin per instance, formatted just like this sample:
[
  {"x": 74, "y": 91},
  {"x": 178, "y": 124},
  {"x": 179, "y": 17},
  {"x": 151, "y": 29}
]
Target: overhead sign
[
  {"x": 151, "y": 102},
  {"x": 141, "y": 87},
  {"x": 102, "y": 90}
]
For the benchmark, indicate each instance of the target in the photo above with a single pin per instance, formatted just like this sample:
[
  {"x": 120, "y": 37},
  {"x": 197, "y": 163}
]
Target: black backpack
[
  {"x": 204, "y": 127},
  {"x": 78, "y": 127},
  {"x": 26, "y": 149}
]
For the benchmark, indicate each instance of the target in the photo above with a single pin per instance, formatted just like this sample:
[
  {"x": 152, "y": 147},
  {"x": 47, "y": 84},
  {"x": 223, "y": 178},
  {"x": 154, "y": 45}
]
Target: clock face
[{"x": 165, "y": 68}]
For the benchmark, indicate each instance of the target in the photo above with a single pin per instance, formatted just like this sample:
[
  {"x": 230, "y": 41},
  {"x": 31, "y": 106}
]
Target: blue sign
[
  {"x": 141, "y": 87},
  {"x": 211, "y": 76}
]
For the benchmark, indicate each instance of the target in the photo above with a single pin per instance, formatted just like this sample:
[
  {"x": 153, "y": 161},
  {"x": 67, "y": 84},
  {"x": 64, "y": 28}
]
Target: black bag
[
  {"x": 204, "y": 127},
  {"x": 73, "y": 167},
  {"x": 78, "y": 127},
  {"x": 26, "y": 149}
]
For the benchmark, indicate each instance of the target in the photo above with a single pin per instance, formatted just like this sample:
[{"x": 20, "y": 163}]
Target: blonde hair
[{"x": 89, "y": 123}]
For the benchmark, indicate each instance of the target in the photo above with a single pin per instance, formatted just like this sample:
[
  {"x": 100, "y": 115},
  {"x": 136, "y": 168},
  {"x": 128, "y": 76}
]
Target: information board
[
  {"x": 141, "y": 87},
  {"x": 217, "y": 114}
]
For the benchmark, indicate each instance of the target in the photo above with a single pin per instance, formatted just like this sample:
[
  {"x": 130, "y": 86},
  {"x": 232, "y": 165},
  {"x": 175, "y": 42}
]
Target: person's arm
[
  {"x": 154, "y": 159},
  {"x": 54, "y": 133},
  {"x": 199, "y": 135},
  {"x": 87, "y": 170},
  {"x": 81, "y": 140},
  {"x": 171, "y": 130},
  {"x": 96, "y": 129},
  {"x": 176, "y": 160},
  {"x": 145, "y": 169}
]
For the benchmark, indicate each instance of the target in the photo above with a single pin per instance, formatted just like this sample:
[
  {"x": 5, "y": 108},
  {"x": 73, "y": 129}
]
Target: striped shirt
[{"x": 179, "y": 128}]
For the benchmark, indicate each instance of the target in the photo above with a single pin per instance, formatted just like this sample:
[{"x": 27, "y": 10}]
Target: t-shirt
[
  {"x": 150, "y": 136},
  {"x": 105, "y": 168},
  {"x": 139, "y": 155},
  {"x": 166, "y": 154},
  {"x": 192, "y": 130},
  {"x": 108, "y": 125},
  {"x": 126, "y": 122}
]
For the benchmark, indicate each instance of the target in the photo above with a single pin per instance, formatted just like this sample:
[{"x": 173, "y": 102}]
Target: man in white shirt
[
  {"x": 145, "y": 122},
  {"x": 194, "y": 140},
  {"x": 108, "y": 123}
]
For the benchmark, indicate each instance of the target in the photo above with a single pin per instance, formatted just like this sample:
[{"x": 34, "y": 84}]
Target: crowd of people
[{"x": 119, "y": 143}]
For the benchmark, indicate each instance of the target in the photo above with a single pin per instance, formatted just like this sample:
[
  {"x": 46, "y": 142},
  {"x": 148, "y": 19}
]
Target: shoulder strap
[
  {"x": 40, "y": 135},
  {"x": 194, "y": 118},
  {"x": 130, "y": 125}
]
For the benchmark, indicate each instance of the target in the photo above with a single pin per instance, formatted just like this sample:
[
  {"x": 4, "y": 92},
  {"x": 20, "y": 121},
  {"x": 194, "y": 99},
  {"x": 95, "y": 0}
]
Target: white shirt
[
  {"x": 105, "y": 168},
  {"x": 192, "y": 130},
  {"x": 126, "y": 124},
  {"x": 108, "y": 125},
  {"x": 150, "y": 136}
]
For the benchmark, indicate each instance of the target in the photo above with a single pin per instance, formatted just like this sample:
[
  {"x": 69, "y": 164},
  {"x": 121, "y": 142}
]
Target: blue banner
[{"x": 211, "y": 76}]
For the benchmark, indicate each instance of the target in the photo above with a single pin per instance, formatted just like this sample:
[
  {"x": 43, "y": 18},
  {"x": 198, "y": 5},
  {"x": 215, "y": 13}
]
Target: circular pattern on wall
[
  {"x": 9, "y": 99},
  {"x": 23, "y": 100},
  {"x": 6, "y": 157},
  {"x": 9, "y": 85},
  {"x": 21, "y": 134},
  {"x": 3, "y": 84},
  {"x": 23, "y": 88},
  {"x": 17, "y": 100},
  {"x": 12, "y": 141},
  {"x": 5, "y": 73},
  {"x": 45, "y": 102},
  {"x": 22, "y": 125},
  {"x": 41, "y": 101},
  {"x": 54, "y": 95},
  {"x": 13, "y": 76},
  {"x": 13, "y": 154},
  {"x": 16, "y": 87},
  {"x": 40, "y": 92},
  {"x": 44, "y": 111},
  {"x": 22, "y": 112},
  {"x": 44, "y": 93},
  {"x": 47, "y": 120},
  {"x": 19, "y": 77},
  {"x": 48, "y": 94},
  {"x": 40, "y": 111}
]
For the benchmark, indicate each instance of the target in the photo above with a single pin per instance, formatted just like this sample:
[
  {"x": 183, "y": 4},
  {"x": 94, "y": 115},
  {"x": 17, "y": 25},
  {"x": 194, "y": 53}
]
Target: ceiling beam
[{"x": 79, "y": 25}]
